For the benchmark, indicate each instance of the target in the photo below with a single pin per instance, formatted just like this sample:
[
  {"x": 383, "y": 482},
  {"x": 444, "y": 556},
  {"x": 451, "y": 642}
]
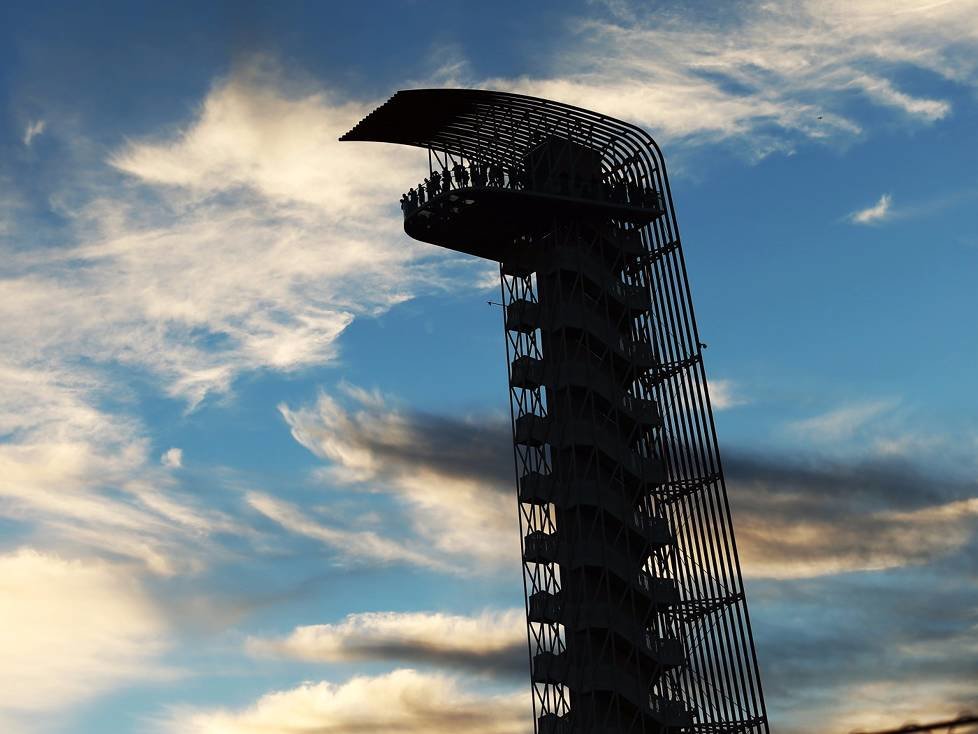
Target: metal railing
[{"x": 476, "y": 176}]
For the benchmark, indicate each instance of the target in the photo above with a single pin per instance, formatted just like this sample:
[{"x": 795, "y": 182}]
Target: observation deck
[
  {"x": 524, "y": 163},
  {"x": 476, "y": 208}
]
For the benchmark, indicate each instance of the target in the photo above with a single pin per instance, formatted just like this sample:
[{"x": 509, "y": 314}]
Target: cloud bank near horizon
[{"x": 404, "y": 700}]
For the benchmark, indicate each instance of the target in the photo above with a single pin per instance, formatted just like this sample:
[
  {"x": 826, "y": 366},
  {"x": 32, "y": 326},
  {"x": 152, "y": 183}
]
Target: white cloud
[
  {"x": 352, "y": 546},
  {"x": 909, "y": 445},
  {"x": 69, "y": 630},
  {"x": 842, "y": 423},
  {"x": 687, "y": 393},
  {"x": 84, "y": 477},
  {"x": 257, "y": 131},
  {"x": 878, "y": 212},
  {"x": 418, "y": 635},
  {"x": 883, "y": 91},
  {"x": 767, "y": 72},
  {"x": 248, "y": 240},
  {"x": 782, "y": 545},
  {"x": 34, "y": 128},
  {"x": 379, "y": 449},
  {"x": 402, "y": 701},
  {"x": 172, "y": 458},
  {"x": 724, "y": 394}
]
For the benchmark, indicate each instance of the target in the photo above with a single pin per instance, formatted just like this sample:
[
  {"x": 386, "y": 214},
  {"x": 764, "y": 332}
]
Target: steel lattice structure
[{"x": 636, "y": 615}]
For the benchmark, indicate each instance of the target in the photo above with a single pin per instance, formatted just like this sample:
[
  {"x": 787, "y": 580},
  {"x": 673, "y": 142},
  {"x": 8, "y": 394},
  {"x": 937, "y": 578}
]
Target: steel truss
[{"x": 636, "y": 614}]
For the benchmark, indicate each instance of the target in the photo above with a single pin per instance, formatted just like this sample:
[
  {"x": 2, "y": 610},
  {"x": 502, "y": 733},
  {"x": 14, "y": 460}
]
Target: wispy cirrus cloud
[
  {"x": 247, "y": 240},
  {"x": 242, "y": 261},
  {"x": 764, "y": 74},
  {"x": 878, "y": 212},
  {"x": 257, "y": 130},
  {"x": 410, "y": 701},
  {"x": 226, "y": 247},
  {"x": 841, "y": 423},
  {"x": 493, "y": 641},
  {"x": 82, "y": 477},
  {"x": 426, "y": 463},
  {"x": 351, "y": 546},
  {"x": 883, "y": 92}
]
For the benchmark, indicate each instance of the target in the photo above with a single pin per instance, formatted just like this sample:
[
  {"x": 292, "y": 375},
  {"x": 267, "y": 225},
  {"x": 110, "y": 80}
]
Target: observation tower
[{"x": 636, "y": 615}]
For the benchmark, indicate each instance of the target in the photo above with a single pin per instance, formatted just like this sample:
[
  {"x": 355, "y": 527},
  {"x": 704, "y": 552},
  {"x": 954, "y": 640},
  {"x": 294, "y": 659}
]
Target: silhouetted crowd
[{"x": 493, "y": 175}]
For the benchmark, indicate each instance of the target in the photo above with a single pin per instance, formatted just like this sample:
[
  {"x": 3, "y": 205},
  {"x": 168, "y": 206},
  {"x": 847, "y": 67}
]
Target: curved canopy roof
[{"x": 500, "y": 126}]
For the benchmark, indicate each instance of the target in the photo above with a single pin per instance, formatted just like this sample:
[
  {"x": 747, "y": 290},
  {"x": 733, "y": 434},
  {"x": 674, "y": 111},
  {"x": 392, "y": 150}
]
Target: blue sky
[{"x": 254, "y": 465}]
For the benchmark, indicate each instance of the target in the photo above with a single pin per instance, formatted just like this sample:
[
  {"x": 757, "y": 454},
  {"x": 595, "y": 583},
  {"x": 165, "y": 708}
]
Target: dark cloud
[
  {"x": 511, "y": 660},
  {"x": 482, "y": 449},
  {"x": 490, "y": 642},
  {"x": 864, "y": 484},
  {"x": 911, "y": 634},
  {"x": 479, "y": 449},
  {"x": 794, "y": 515}
]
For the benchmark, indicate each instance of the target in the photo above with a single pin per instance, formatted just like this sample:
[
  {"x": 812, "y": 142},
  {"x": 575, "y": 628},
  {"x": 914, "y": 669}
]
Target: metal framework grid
[{"x": 636, "y": 614}]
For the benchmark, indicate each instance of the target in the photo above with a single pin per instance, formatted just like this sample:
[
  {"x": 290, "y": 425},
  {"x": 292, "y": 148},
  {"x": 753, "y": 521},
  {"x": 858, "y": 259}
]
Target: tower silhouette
[{"x": 636, "y": 615}]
